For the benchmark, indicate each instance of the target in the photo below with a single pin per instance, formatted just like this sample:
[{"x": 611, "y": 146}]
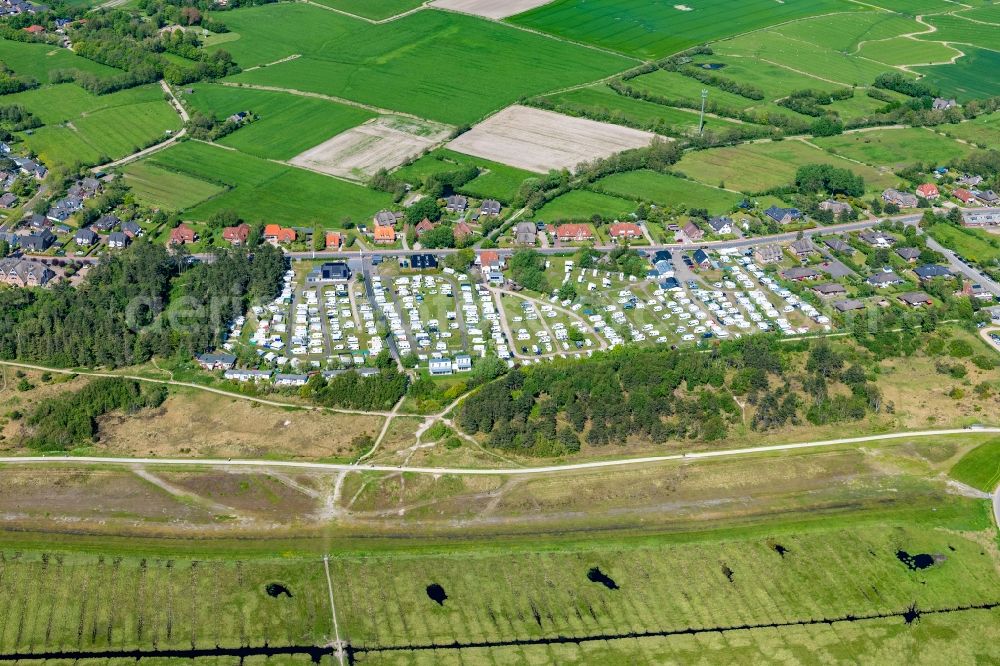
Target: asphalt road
[{"x": 510, "y": 471}]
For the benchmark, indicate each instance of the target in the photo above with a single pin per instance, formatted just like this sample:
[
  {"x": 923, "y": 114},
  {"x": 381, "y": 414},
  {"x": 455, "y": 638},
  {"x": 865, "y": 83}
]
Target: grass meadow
[
  {"x": 667, "y": 190},
  {"x": 980, "y": 467},
  {"x": 964, "y": 80},
  {"x": 373, "y": 9},
  {"x": 752, "y": 168},
  {"x": 904, "y": 51},
  {"x": 895, "y": 148},
  {"x": 442, "y": 66},
  {"x": 582, "y": 205},
  {"x": 657, "y": 29},
  {"x": 983, "y": 131},
  {"x": 266, "y": 191},
  {"x": 287, "y": 124},
  {"x": 497, "y": 181},
  {"x": 168, "y": 190},
  {"x": 37, "y": 60},
  {"x": 975, "y": 244},
  {"x": 954, "y": 28}
]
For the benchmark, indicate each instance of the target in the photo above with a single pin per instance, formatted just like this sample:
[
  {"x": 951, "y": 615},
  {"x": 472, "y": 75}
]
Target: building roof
[
  {"x": 625, "y": 229},
  {"x": 929, "y": 271},
  {"x": 777, "y": 213},
  {"x": 574, "y": 231},
  {"x": 800, "y": 273},
  {"x": 908, "y": 253},
  {"x": 915, "y": 298},
  {"x": 830, "y": 288},
  {"x": 849, "y": 304},
  {"x": 884, "y": 277}
]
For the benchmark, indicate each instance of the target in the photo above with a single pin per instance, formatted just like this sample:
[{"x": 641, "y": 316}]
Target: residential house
[
  {"x": 693, "y": 232},
  {"x": 942, "y": 104},
  {"x": 386, "y": 218},
  {"x": 131, "y": 229},
  {"x": 915, "y": 299},
  {"x": 489, "y": 260},
  {"x": 275, "y": 234},
  {"x": 928, "y": 191},
  {"x": 968, "y": 180},
  {"x": 118, "y": 240},
  {"x": 456, "y": 203},
  {"x": 490, "y": 208},
  {"x": 830, "y": 289},
  {"x": 330, "y": 272},
  {"x": 31, "y": 167},
  {"x": 85, "y": 188},
  {"x": 878, "y": 239},
  {"x": 910, "y": 254},
  {"x": 423, "y": 227},
  {"x": 884, "y": 279},
  {"x": 182, "y": 234},
  {"x": 701, "y": 258},
  {"x": 783, "y": 215},
  {"x": 849, "y": 304},
  {"x": 8, "y": 200},
  {"x": 463, "y": 363},
  {"x": 423, "y": 262},
  {"x": 974, "y": 290},
  {"x": 384, "y": 235},
  {"x": 570, "y": 233},
  {"x": 981, "y": 217},
  {"x": 39, "y": 241},
  {"x": 34, "y": 30},
  {"x": 334, "y": 241},
  {"x": 802, "y": 248},
  {"x": 987, "y": 197},
  {"x": 61, "y": 210},
  {"x": 290, "y": 380},
  {"x": 25, "y": 273},
  {"x": 106, "y": 223},
  {"x": 836, "y": 207},
  {"x": 462, "y": 231},
  {"x": 239, "y": 117},
  {"x": 800, "y": 273},
  {"x": 216, "y": 361},
  {"x": 901, "y": 199},
  {"x": 243, "y": 375},
  {"x": 628, "y": 230},
  {"x": 721, "y": 225},
  {"x": 839, "y": 245},
  {"x": 768, "y": 254},
  {"x": 525, "y": 233},
  {"x": 965, "y": 196},
  {"x": 237, "y": 235},
  {"x": 931, "y": 271},
  {"x": 440, "y": 366},
  {"x": 85, "y": 237}
]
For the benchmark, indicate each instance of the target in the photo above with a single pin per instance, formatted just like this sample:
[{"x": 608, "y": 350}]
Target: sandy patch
[
  {"x": 539, "y": 140},
  {"x": 492, "y": 9},
  {"x": 384, "y": 142},
  {"x": 682, "y": 8}
]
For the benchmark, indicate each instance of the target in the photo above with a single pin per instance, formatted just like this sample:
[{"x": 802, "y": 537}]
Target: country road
[{"x": 510, "y": 471}]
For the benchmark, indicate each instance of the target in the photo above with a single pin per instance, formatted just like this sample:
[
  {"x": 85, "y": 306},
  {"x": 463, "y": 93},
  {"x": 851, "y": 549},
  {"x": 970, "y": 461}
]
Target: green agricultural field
[
  {"x": 954, "y": 28},
  {"x": 844, "y": 32},
  {"x": 914, "y": 7},
  {"x": 975, "y": 244},
  {"x": 667, "y": 190},
  {"x": 582, "y": 205},
  {"x": 964, "y": 80},
  {"x": 91, "y": 129},
  {"x": 753, "y": 168},
  {"x": 657, "y": 29},
  {"x": 984, "y": 130},
  {"x": 373, "y": 9},
  {"x": 904, "y": 51},
  {"x": 168, "y": 190},
  {"x": 287, "y": 124},
  {"x": 265, "y": 191},
  {"x": 498, "y": 181},
  {"x": 895, "y": 148},
  {"x": 457, "y": 69},
  {"x": 677, "y": 86},
  {"x": 617, "y": 108},
  {"x": 980, "y": 467},
  {"x": 37, "y": 60}
]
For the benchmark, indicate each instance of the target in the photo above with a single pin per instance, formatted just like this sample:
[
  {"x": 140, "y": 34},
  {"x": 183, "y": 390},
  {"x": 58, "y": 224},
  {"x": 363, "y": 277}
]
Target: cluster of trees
[
  {"x": 896, "y": 82},
  {"x": 10, "y": 82},
  {"x": 207, "y": 128},
  {"x": 527, "y": 268},
  {"x": 810, "y": 102},
  {"x": 352, "y": 391},
  {"x": 721, "y": 82},
  {"x": 67, "y": 421},
  {"x": 135, "y": 304},
  {"x": 811, "y": 178}
]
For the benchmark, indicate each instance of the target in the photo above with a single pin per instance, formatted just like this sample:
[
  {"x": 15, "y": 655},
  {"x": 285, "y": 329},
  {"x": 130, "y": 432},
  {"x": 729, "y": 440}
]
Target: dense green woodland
[{"x": 137, "y": 304}]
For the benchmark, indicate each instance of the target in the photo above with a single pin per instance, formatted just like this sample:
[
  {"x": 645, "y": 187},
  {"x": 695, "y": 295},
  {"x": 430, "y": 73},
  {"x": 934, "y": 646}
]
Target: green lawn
[
  {"x": 975, "y": 244},
  {"x": 984, "y": 130},
  {"x": 287, "y": 124},
  {"x": 373, "y": 9},
  {"x": 753, "y": 168},
  {"x": 498, "y": 181},
  {"x": 657, "y": 28},
  {"x": 442, "y": 66},
  {"x": 895, "y": 148},
  {"x": 265, "y": 191},
  {"x": 91, "y": 129},
  {"x": 905, "y": 51},
  {"x": 667, "y": 190},
  {"x": 980, "y": 467},
  {"x": 954, "y": 28},
  {"x": 582, "y": 205},
  {"x": 168, "y": 190},
  {"x": 37, "y": 60}
]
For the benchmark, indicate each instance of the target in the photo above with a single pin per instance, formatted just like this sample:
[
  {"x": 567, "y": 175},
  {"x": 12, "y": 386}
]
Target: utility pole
[{"x": 701, "y": 122}]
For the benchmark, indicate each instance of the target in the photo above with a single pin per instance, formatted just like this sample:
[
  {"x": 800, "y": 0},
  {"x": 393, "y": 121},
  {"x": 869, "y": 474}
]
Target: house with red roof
[
  {"x": 573, "y": 233},
  {"x": 275, "y": 234},
  {"x": 34, "y": 29},
  {"x": 620, "y": 230},
  {"x": 182, "y": 234},
  {"x": 385, "y": 235},
  {"x": 462, "y": 231},
  {"x": 489, "y": 260},
  {"x": 334, "y": 240},
  {"x": 928, "y": 191},
  {"x": 965, "y": 196},
  {"x": 237, "y": 235},
  {"x": 424, "y": 226}
]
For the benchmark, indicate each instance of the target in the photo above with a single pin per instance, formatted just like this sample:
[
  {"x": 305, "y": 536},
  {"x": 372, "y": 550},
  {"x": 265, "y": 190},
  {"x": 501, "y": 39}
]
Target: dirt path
[
  {"x": 174, "y": 138},
  {"x": 294, "y": 56},
  {"x": 330, "y": 98}
]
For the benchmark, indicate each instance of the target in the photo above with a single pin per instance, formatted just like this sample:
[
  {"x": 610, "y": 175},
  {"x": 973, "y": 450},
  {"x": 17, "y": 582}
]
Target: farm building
[{"x": 981, "y": 217}]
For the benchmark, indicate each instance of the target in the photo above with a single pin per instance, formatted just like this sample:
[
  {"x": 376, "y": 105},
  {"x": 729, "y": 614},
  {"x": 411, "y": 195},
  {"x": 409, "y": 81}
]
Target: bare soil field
[
  {"x": 539, "y": 140},
  {"x": 382, "y": 143},
  {"x": 491, "y": 9}
]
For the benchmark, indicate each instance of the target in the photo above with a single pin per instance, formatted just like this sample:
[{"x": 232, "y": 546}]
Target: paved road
[
  {"x": 514, "y": 471},
  {"x": 958, "y": 266}
]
